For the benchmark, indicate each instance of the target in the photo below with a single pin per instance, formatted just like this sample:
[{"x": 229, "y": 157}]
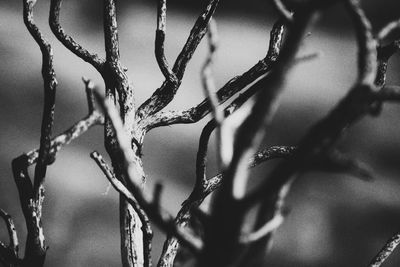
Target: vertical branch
[
  {"x": 206, "y": 73},
  {"x": 111, "y": 32},
  {"x": 367, "y": 54},
  {"x": 50, "y": 83},
  {"x": 118, "y": 88},
  {"x": 146, "y": 227},
  {"x": 159, "y": 43},
  {"x": 140, "y": 200},
  {"x": 33, "y": 199}
]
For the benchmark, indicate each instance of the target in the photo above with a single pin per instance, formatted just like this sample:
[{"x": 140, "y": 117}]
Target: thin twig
[
  {"x": 159, "y": 43},
  {"x": 283, "y": 11},
  {"x": 206, "y": 73},
  {"x": 266, "y": 229},
  {"x": 388, "y": 29},
  {"x": 386, "y": 251}
]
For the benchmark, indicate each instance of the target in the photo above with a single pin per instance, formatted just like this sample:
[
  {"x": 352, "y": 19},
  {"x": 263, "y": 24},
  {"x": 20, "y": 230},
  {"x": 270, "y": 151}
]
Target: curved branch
[
  {"x": 13, "y": 246},
  {"x": 387, "y": 30},
  {"x": 159, "y": 43},
  {"x": 263, "y": 231},
  {"x": 68, "y": 41}
]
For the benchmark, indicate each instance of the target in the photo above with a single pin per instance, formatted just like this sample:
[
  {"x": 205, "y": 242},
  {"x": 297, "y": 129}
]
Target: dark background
[{"x": 335, "y": 220}]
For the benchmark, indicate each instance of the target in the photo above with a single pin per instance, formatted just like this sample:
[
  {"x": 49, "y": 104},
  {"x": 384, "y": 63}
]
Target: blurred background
[{"x": 335, "y": 220}]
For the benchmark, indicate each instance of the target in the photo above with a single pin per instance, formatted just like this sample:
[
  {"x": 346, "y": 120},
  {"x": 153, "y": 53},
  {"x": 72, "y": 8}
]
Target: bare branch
[
  {"x": 12, "y": 233},
  {"x": 146, "y": 227},
  {"x": 232, "y": 87},
  {"x": 196, "y": 35},
  {"x": 283, "y": 11},
  {"x": 204, "y": 187},
  {"x": 50, "y": 84},
  {"x": 111, "y": 32},
  {"x": 367, "y": 54},
  {"x": 89, "y": 87},
  {"x": 201, "y": 159},
  {"x": 325, "y": 133},
  {"x": 159, "y": 216},
  {"x": 35, "y": 250},
  {"x": 114, "y": 75},
  {"x": 266, "y": 229},
  {"x": 386, "y": 251},
  {"x": 32, "y": 209},
  {"x": 159, "y": 43},
  {"x": 164, "y": 95},
  {"x": 68, "y": 41},
  {"x": 93, "y": 118},
  {"x": 388, "y": 29},
  {"x": 206, "y": 73}
]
